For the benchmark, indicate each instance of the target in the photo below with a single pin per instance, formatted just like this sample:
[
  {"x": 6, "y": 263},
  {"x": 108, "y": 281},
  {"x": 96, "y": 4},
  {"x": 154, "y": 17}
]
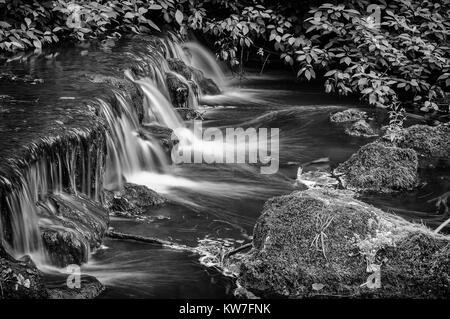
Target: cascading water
[{"x": 202, "y": 59}]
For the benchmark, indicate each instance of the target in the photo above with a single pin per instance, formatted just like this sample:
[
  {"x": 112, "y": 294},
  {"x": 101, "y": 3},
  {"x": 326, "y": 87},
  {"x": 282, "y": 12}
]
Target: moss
[
  {"x": 360, "y": 128},
  {"x": 329, "y": 238},
  {"x": 179, "y": 91},
  {"x": 432, "y": 144},
  {"x": 349, "y": 115},
  {"x": 180, "y": 67},
  {"x": 378, "y": 167}
]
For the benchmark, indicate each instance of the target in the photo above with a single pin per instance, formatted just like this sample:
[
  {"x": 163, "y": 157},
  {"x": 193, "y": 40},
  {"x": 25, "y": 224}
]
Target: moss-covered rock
[
  {"x": 206, "y": 85},
  {"x": 75, "y": 226},
  {"x": 178, "y": 66},
  {"x": 349, "y": 115},
  {"x": 361, "y": 128},
  {"x": 325, "y": 243},
  {"x": 379, "y": 167},
  {"x": 160, "y": 133},
  {"x": 90, "y": 288},
  {"x": 432, "y": 143},
  {"x": 133, "y": 200},
  {"x": 190, "y": 114},
  {"x": 20, "y": 279},
  {"x": 178, "y": 90}
]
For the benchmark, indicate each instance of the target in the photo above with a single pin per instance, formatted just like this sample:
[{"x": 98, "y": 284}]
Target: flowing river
[{"x": 212, "y": 206}]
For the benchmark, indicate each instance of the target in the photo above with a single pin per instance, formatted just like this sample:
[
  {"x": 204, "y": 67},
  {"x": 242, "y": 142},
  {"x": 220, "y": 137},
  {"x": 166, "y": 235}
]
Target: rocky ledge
[
  {"x": 325, "y": 243},
  {"x": 72, "y": 229}
]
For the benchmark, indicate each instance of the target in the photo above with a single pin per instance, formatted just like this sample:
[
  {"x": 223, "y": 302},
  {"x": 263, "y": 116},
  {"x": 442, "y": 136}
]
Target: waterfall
[
  {"x": 104, "y": 156},
  {"x": 202, "y": 59}
]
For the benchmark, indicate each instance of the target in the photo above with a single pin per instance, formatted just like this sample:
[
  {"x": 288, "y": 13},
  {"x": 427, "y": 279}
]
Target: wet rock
[
  {"x": 381, "y": 168},
  {"x": 72, "y": 229},
  {"x": 124, "y": 85},
  {"x": 178, "y": 66},
  {"x": 361, "y": 128},
  {"x": 179, "y": 91},
  {"x": 349, "y": 115},
  {"x": 326, "y": 243},
  {"x": 432, "y": 144},
  {"x": 89, "y": 288},
  {"x": 20, "y": 279},
  {"x": 161, "y": 133},
  {"x": 188, "y": 114},
  {"x": 133, "y": 199},
  {"x": 206, "y": 85}
]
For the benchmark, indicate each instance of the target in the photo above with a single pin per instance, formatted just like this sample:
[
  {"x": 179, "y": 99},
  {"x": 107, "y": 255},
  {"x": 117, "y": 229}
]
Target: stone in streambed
[
  {"x": 178, "y": 66},
  {"x": 432, "y": 143},
  {"x": 20, "y": 279},
  {"x": 178, "y": 90},
  {"x": 349, "y": 115},
  {"x": 90, "y": 288},
  {"x": 323, "y": 242},
  {"x": 361, "y": 129},
  {"x": 72, "y": 229},
  {"x": 133, "y": 199},
  {"x": 379, "y": 167},
  {"x": 161, "y": 133},
  {"x": 206, "y": 85}
]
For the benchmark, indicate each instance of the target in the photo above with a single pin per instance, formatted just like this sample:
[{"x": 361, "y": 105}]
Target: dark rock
[
  {"x": 379, "y": 167},
  {"x": 161, "y": 133},
  {"x": 360, "y": 128},
  {"x": 206, "y": 85},
  {"x": 20, "y": 279},
  {"x": 75, "y": 226},
  {"x": 190, "y": 114},
  {"x": 178, "y": 90},
  {"x": 90, "y": 288},
  {"x": 134, "y": 199},
  {"x": 180, "y": 67},
  {"x": 126, "y": 86},
  {"x": 349, "y": 115},
  {"x": 432, "y": 144},
  {"x": 326, "y": 243}
]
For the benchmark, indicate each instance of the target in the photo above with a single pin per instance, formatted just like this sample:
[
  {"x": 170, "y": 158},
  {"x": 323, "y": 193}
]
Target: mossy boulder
[
  {"x": 20, "y": 279},
  {"x": 72, "y": 229},
  {"x": 190, "y": 114},
  {"x": 361, "y": 129},
  {"x": 161, "y": 133},
  {"x": 133, "y": 200},
  {"x": 178, "y": 66},
  {"x": 432, "y": 143},
  {"x": 325, "y": 243},
  {"x": 349, "y": 115},
  {"x": 206, "y": 85},
  {"x": 380, "y": 168},
  {"x": 89, "y": 288},
  {"x": 178, "y": 90}
]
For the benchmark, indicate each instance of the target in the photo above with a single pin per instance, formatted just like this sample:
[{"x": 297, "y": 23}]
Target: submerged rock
[
  {"x": 349, "y": 115},
  {"x": 73, "y": 227},
  {"x": 89, "y": 288},
  {"x": 360, "y": 128},
  {"x": 326, "y": 243},
  {"x": 133, "y": 199},
  {"x": 379, "y": 167},
  {"x": 20, "y": 279},
  {"x": 432, "y": 143},
  {"x": 179, "y": 91}
]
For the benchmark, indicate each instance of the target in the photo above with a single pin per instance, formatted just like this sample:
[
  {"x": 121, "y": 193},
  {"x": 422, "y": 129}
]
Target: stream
[{"x": 211, "y": 205}]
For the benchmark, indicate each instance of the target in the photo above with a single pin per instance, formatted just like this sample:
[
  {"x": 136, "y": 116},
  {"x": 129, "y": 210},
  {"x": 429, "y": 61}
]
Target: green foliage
[{"x": 401, "y": 60}]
